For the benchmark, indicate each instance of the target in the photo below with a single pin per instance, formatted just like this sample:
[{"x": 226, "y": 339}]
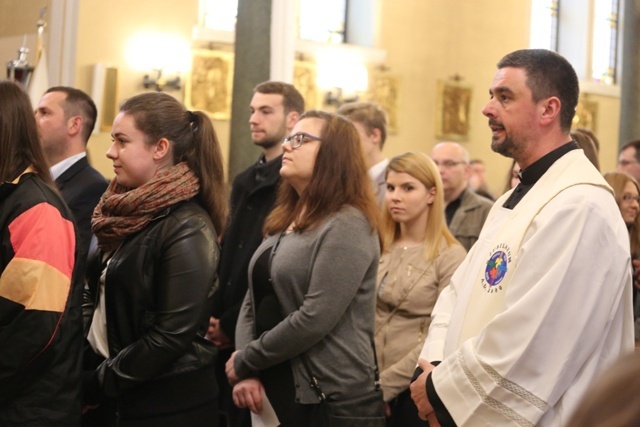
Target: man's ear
[
  {"x": 376, "y": 136},
  {"x": 291, "y": 119},
  {"x": 550, "y": 110},
  {"x": 74, "y": 125}
]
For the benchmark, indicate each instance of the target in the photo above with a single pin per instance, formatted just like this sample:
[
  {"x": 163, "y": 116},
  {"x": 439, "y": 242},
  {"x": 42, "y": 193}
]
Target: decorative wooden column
[{"x": 251, "y": 66}]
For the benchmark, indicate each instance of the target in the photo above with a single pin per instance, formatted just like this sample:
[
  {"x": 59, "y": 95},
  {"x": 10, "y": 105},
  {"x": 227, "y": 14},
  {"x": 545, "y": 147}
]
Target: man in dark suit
[{"x": 66, "y": 117}]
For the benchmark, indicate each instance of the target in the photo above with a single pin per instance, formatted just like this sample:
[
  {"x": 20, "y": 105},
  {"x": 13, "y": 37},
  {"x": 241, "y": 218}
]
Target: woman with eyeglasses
[
  {"x": 309, "y": 311},
  {"x": 627, "y": 193},
  {"x": 421, "y": 256}
]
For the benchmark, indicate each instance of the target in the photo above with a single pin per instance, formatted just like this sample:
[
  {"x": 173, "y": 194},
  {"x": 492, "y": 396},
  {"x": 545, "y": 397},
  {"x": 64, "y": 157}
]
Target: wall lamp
[
  {"x": 335, "y": 97},
  {"x": 344, "y": 83},
  {"x": 158, "y": 83}
]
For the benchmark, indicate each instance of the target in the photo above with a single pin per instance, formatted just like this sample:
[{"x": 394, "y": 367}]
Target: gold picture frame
[
  {"x": 383, "y": 89},
  {"x": 452, "y": 110},
  {"x": 304, "y": 79},
  {"x": 586, "y": 114},
  {"x": 209, "y": 86}
]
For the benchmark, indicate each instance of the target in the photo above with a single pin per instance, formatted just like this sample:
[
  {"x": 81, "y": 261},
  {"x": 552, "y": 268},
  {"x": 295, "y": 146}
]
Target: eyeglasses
[
  {"x": 448, "y": 164},
  {"x": 625, "y": 163},
  {"x": 630, "y": 197},
  {"x": 299, "y": 138}
]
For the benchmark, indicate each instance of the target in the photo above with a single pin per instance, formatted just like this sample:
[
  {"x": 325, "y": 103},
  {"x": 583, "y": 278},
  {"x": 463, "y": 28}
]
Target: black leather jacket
[{"x": 159, "y": 285}]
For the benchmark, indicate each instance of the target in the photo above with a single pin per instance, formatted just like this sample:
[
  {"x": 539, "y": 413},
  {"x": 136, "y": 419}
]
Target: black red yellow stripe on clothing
[{"x": 39, "y": 275}]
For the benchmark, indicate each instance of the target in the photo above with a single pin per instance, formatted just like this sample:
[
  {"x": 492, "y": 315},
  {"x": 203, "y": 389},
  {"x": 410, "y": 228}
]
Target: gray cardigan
[{"x": 325, "y": 280}]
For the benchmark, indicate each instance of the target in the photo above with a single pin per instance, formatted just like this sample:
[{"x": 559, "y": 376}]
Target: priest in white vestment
[{"x": 542, "y": 303}]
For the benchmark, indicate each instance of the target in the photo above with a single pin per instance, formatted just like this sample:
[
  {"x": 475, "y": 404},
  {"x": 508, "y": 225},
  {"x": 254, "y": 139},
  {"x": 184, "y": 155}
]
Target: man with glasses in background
[
  {"x": 465, "y": 210},
  {"x": 629, "y": 159}
]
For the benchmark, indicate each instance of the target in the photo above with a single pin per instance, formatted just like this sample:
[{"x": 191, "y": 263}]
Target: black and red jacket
[{"x": 40, "y": 307}]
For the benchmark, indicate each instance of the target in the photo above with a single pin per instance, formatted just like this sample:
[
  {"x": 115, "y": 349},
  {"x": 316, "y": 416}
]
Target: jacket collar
[
  {"x": 7, "y": 187},
  {"x": 71, "y": 171}
]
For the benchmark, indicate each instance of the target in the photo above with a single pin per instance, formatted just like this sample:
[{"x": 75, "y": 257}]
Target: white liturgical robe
[{"x": 540, "y": 306}]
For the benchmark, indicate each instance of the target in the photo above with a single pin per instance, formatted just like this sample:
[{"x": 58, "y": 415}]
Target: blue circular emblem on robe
[{"x": 496, "y": 268}]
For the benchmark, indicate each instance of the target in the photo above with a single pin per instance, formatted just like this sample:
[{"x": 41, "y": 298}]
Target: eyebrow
[
  {"x": 261, "y": 107},
  {"x": 403, "y": 183},
  {"x": 499, "y": 90}
]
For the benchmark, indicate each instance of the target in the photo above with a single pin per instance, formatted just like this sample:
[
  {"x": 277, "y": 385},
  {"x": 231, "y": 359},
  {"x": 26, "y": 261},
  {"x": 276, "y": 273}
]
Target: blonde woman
[{"x": 421, "y": 257}]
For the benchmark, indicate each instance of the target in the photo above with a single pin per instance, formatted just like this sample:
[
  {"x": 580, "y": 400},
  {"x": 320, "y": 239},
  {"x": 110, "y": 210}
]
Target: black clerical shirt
[{"x": 531, "y": 175}]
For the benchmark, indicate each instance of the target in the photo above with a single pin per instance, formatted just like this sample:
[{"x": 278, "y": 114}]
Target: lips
[{"x": 495, "y": 126}]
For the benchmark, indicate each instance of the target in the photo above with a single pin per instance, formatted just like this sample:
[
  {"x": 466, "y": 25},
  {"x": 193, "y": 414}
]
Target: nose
[
  {"x": 111, "y": 152},
  {"x": 393, "y": 195},
  {"x": 286, "y": 145},
  {"x": 487, "y": 110}
]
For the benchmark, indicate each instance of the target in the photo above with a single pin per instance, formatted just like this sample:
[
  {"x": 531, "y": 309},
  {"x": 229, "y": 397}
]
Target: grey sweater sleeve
[
  {"x": 318, "y": 296},
  {"x": 245, "y": 325}
]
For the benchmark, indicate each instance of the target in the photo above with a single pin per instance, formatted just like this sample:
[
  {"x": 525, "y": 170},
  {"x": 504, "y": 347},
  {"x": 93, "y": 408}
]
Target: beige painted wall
[
  {"x": 20, "y": 16},
  {"x": 426, "y": 41},
  {"x": 17, "y": 19},
  {"x": 105, "y": 29},
  {"x": 436, "y": 39}
]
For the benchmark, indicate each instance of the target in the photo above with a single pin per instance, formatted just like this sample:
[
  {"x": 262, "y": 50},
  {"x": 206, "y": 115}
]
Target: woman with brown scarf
[{"x": 150, "y": 281}]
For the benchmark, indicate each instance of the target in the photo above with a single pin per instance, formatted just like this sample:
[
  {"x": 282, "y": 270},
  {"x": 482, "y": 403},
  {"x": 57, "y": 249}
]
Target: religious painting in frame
[
  {"x": 209, "y": 87},
  {"x": 304, "y": 79},
  {"x": 383, "y": 90},
  {"x": 586, "y": 114},
  {"x": 452, "y": 110}
]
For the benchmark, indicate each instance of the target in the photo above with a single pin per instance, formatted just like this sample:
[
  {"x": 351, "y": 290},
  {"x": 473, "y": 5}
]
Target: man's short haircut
[
  {"x": 78, "y": 103},
  {"x": 548, "y": 74},
  {"x": 369, "y": 114},
  {"x": 291, "y": 98},
  {"x": 635, "y": 144}
]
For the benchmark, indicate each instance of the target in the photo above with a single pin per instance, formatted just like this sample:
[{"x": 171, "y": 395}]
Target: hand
[
  {"x": 636, "y": 272},
  {"x": 433, "y": 421},
  {"x": 419, "y": 390},
  {"x": 86, "y": 408},
  {"x": 248, "y": 394},
  {"x": 230, "y": 370},
  {"x": 216, "y": 335}
]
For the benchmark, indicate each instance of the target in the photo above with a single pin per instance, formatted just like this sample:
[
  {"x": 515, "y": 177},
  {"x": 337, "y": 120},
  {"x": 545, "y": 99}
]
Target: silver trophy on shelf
[{"x": 20, "y": 70}]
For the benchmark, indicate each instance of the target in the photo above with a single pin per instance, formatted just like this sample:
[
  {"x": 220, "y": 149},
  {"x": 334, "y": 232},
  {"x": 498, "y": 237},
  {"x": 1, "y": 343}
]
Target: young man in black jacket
[{"x": 275, "y": 108}]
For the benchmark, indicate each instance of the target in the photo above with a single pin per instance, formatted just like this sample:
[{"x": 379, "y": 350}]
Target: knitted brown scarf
[{"x": 122, "y": 211}]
